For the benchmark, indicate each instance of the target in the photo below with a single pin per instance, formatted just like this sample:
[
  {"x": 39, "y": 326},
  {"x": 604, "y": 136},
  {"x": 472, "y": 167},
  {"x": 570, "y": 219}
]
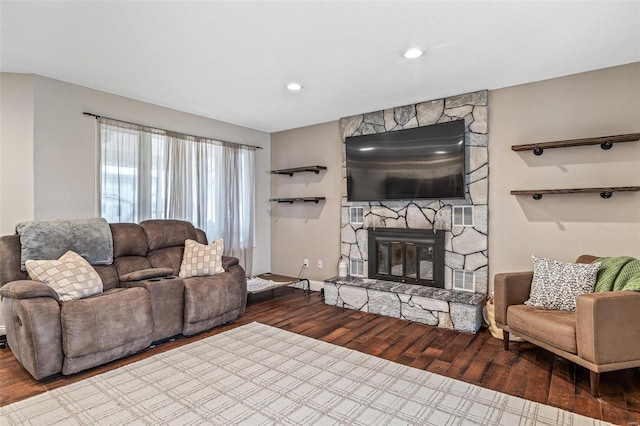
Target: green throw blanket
[{"x": 618, "y": 273}]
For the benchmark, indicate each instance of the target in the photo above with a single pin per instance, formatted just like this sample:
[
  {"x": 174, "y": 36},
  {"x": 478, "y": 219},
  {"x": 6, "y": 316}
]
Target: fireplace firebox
[{"x": 412, "y": 256}]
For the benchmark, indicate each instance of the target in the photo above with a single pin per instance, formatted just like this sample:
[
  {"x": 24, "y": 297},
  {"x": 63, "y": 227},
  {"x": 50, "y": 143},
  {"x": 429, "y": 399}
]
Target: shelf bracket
[
  {"x": 606, "y": 194},
  {"x": 606, "y": 145},
  {"x": 537, "y": 150}
]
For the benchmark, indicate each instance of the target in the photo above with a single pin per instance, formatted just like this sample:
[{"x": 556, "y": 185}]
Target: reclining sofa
[{"x": 143, "y": 301}]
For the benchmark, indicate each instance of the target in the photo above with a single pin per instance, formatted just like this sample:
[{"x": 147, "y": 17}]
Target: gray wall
[
  {"x": 597, "y": 103},
  {"x": 562, "y": 227},
  {"x": 16, "y": 151},
  {"x": 64, "y": 159},
  {"x": 306, "y": 230}
]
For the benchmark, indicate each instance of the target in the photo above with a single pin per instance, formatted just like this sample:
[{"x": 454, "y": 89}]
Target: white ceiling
[{"x": 231, "y": 60}]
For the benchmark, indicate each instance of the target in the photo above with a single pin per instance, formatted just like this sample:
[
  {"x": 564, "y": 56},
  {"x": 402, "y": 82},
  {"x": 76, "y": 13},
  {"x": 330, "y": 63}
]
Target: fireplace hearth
[{"x": 412, "y": 256}]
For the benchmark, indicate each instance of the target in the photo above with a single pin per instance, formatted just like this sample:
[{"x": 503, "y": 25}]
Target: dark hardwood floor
[{"x": 525, "y": 371}]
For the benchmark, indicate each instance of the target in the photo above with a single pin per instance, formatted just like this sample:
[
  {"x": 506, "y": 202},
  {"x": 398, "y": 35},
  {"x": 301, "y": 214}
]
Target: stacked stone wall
[
  {"x": 455, "y": 310},
  {"x": 465, "y": 247}
]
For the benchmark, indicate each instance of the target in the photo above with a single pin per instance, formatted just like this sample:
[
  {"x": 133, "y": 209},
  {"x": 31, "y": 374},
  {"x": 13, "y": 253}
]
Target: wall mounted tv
[{"x": 421, "y": 163}]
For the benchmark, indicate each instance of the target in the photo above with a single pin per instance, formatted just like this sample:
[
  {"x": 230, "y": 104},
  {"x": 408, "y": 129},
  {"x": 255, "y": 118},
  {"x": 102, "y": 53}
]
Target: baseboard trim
[{"x": 313, "y": 285}]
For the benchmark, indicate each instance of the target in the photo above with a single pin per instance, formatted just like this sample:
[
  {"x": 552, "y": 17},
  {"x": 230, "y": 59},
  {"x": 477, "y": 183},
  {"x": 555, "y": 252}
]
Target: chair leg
[
  {"x": 595, "y": 383},
  {"x": 505, "y": 338}
]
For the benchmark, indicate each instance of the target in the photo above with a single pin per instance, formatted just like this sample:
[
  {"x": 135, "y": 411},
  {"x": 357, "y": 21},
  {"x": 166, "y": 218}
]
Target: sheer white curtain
[{"x": 149, "y": 173}]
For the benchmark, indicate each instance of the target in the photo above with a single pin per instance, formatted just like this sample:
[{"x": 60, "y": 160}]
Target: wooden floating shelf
[
  {"x": 315, "y": 200},
  {"x": 604, "y": 192},
  {"x": 290, "y": 172},
  {"x": 605, "y": 142}
]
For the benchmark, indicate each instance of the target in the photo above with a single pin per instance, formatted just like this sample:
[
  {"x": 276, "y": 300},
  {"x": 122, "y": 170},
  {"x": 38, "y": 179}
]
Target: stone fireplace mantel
[{"x": 456, "y": 310}]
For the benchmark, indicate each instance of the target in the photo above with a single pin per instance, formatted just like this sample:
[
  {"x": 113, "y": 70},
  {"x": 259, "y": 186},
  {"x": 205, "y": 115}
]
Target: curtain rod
[{"x": 170, "y": 131}]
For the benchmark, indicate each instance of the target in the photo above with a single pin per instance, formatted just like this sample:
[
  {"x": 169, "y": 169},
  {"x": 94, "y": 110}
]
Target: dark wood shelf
[
  {"x": 605, "y": 142},
  {"x": 604, "y": 192},
  {"x": 315, "y": 200},
  {"x": 290, "y": 172}
]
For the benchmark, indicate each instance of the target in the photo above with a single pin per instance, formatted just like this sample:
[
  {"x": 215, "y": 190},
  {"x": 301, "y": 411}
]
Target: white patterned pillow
[
  {"x": 71, "y": 276},
  {"x": 200, "y": 260},
  {"x": 556, "y": 284}
]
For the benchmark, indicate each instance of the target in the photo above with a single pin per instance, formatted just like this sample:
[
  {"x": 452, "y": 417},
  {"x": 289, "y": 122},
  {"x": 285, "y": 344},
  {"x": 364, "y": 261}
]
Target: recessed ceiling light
[
  {"x": 412, "y": 53},
  {"x": 294, "y": 87}
]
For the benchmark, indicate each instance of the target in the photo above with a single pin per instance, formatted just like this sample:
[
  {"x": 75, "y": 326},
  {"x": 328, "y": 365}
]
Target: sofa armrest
[
  {"x": 607, "y": 327},
  {"x": 34, "y": 333},
  {"x": 228, "y": 262},
  {"x": 510, "y": 288},
  {"x": 27, "y": 289},
  {"x": 145, "y": 274}
]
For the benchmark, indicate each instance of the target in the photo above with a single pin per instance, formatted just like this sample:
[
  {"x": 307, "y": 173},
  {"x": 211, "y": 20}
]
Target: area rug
[{"x": 259, "y": 375}]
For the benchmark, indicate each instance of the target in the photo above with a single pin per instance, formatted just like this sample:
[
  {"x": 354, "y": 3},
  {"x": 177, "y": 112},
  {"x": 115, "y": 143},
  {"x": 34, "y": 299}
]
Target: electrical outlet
[
  {"x": 306, "y": 263},
  {"x": 319, "y": 263}
]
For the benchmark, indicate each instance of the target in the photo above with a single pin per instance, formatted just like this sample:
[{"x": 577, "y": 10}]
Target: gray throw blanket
[{"x": 50, "y": 239}]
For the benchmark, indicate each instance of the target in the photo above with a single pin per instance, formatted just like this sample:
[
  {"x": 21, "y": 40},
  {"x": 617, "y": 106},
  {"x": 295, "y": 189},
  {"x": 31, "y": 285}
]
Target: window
[{"x": 149, "y": 173}]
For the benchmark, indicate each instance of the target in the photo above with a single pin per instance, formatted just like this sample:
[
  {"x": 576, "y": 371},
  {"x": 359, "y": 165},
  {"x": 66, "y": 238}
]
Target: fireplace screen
[{"x": 407, "y": 255}]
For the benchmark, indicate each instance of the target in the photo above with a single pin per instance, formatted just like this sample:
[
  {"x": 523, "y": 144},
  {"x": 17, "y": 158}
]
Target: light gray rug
[{"x": 260, "y": 375}]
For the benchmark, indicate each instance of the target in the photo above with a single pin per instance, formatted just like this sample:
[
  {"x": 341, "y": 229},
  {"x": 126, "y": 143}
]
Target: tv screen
[{"x": 421, "y": 163}]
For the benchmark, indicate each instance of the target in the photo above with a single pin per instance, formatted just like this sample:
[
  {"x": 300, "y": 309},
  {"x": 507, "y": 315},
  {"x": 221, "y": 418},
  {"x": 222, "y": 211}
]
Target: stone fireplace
[
  {"x": 465, "y": 244},
  {"x": 463, "y": 224},
  {"x": 413, "y": 256}
]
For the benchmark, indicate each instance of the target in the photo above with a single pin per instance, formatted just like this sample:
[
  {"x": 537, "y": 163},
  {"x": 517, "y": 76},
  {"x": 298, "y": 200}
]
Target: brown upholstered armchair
[{"x": 601, "y": 335}]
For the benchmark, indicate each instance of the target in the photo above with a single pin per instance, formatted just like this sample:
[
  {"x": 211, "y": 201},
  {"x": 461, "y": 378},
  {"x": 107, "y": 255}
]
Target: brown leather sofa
[
  {"x": 601, "y": 335},
  {"x": 143, "y": 301}
]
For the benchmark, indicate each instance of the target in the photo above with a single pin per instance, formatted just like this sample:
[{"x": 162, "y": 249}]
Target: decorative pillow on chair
[
  {"x": 71, "y": 276},
  {"x": 200, "y": 260},
  {"x": 556, "y": 284}
]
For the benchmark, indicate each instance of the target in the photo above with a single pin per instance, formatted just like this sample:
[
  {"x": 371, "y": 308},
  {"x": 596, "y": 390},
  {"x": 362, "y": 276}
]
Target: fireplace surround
[
  {"x": 412, "y": 256},
  {"x": 465, "y": 243}
]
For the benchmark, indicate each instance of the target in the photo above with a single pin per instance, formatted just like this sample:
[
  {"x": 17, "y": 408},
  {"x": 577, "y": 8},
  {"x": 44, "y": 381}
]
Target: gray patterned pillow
[
  {"x": 200, "y": 260},
  {"x": 71, "y": 276},
  {"x": 556, "y": 284}
]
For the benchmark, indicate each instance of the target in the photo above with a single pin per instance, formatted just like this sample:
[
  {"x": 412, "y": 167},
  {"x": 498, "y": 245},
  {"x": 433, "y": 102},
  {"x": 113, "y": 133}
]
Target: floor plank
[
  {"x": 525, "y": 370},
  {"x": 540, "y": 378}
]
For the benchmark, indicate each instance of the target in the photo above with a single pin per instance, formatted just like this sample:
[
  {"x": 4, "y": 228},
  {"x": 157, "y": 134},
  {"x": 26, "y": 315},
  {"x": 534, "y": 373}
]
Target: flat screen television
[{"x": 421, "y": 163}]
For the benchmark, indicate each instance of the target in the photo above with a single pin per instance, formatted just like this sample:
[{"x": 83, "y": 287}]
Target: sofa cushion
[
  {"x": 129, "y": 239},
  {"x": 556, "y": 284},
  {"x": 201, "y": 260},
  {"x": 170, "y": 257},
  {"x": 209, "y": 298},
  {"x": 105, "y": 327},
  {"x": 108, "y": 275},
  {"x": 71, "y": 276},
  {"x": 163, "y": 233},
  {"x": 555, "y": 327},
  {"x": 127, "y": 264}
]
